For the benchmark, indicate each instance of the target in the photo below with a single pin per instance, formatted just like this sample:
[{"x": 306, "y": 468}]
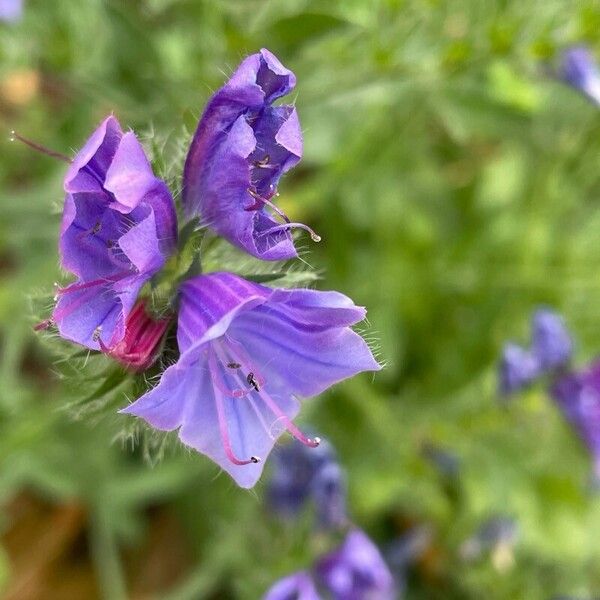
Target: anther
[
  {"x": 254, "y": 459},
  {"x": 233, "y": 365},
  {"x": 96, "y": 228},
  {"x": 263, "y": 163},
  {"x": 39, "y": 148},
  {"x": 97, "y": 333}
]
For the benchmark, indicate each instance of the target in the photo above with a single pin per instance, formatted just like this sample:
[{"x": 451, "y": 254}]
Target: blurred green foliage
[{"x": 455, "y": 187}]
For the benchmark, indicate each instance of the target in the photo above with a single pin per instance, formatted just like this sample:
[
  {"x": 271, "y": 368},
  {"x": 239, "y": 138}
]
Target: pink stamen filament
[
  {"x": 261, "y": 201},
  {"x": 240, "y": 355},
  {"x": 39, "y": 148},
  {"x": 214, "y": 369}
]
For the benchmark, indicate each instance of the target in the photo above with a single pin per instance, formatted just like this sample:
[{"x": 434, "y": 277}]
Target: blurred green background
[{"x": 455, "y": 186}]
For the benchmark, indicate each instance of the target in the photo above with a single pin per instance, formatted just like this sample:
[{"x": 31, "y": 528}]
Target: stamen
[
  {"x": 240, "y": 354},
  {"x": 313, "y": 236},
  {"x": 214, "y": 369},
  {"x": 252, "y": 382},
  {"x": 264, "y": 163},
  {"x": 39, "y": 148},
  {"x": 233, "y": 365},
  {"x": 262, "y": 201},
  {"x": 97, "y": 333}
]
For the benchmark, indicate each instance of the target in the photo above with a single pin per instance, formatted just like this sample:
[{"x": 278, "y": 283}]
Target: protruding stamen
[
  {"x": 313, "y": 236},
  {"x": 262, "y": 201},
  {"x": 39, "y": 148},
  {"x": 97, "y": 333},
  {"x": 214, "y": 368}
]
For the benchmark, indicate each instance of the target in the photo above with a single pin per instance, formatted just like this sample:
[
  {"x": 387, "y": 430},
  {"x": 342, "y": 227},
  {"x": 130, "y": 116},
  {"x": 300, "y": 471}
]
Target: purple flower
[
  {"x": 578, "y": 396},
  {"x": 356, "y": 571},
  {"x": 242, "y": 147},
  {"x": 11, "y": 11},
  {"x": 246, "y": 353},
  {"x": 298, "y": 586},
  {"x": 300, "y": 474},
  {"x": 118, "y": 227},
  {"x": 518, "y": 369},
  {"x": 551, "y": 341},
  {"x": 580, "y": 71}
]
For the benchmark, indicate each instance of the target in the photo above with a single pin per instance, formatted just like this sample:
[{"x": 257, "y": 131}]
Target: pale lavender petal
[{"x": 551, "y": 341}]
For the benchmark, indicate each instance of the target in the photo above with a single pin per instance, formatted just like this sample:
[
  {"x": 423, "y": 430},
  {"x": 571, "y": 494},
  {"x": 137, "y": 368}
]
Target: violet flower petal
[
  {"x": 356, "y": 570},
  {"x": 232, "y": 392},
  {"x": 242, "y": 147},
  {"x": 118, "y": 229}
]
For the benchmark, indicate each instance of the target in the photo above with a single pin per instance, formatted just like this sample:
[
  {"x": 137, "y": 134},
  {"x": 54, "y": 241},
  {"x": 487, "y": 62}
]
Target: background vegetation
[{"x": 455, "y": 186}]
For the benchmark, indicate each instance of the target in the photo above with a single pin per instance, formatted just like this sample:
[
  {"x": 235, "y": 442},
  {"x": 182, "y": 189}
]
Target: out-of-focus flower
[
  {"x": 298, "y": 586},
  {"x": 242, "y": 147},
  {"x": 498, "y": 536},
  {"x": 518, "y": 369},
  {"x": 300, "y": 474},
  {"x": 406, "y": 550},
  {"x": 246, "y": 353},
  {"x": 578, "y": 396},
  {"x": 446, "y": 462},
  {"x": 551, "y": 342},
  {"x": 551, "y": 350},
  {"x": 579, "y": 69},
  {"x": 118, "y": 228},
  {"x": 143, "y": 334},
  {"x": 11, "y": 11},
  {"x": 356, "y": 571}
]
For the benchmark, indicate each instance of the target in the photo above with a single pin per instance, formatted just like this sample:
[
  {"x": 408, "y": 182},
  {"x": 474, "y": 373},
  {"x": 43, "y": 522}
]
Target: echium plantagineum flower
[
  {"x": 579, "y": 69},
  {"x": 118, "y": 228},
  {"x": 247, "y": 353},
  {"x": 578, "y": 396},
  {"x": 353, "y": 571},
  {"x": 301, "y": 474},
  {"x": 242, "y": 147},
  {"x": 550, "y": 351}
]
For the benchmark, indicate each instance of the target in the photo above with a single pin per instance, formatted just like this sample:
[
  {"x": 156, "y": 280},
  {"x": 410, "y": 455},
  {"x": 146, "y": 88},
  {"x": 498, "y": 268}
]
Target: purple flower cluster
[
  {"x": 354, "y": 571},
  {"x": 246, "y": 353},
  {"x": 576, "y": 392}
]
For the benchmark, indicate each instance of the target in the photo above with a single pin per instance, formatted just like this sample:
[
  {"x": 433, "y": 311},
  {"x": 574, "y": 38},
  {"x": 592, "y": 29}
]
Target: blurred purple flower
[
  {"x": 551, "y": 341},
  {"x": 578, "y": 69},
  {"x": 11, "y": 11},
  {"x": 302, "y": 473},
  {"x": 298, "y": 586},
  {"x": 118, "y": 228},
  {"x": 247, "y": 351},
  {"x": 356, "y": 571},
  {"x": 578, "y": 396},
  {"x": 242, "y": 147},
  {"x": 518, "y": 369},
  {"x": 551, "y": 350},
  {"x": 498, "y": 531}
]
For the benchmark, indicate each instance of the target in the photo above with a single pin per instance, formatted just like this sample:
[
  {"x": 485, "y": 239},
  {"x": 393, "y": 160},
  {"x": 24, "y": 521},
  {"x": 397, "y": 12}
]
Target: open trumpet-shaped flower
[
  {"x": 118, "y": 227},
  {"x": 242, "y": 147},
  {"x": 247, "y": 352}
]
